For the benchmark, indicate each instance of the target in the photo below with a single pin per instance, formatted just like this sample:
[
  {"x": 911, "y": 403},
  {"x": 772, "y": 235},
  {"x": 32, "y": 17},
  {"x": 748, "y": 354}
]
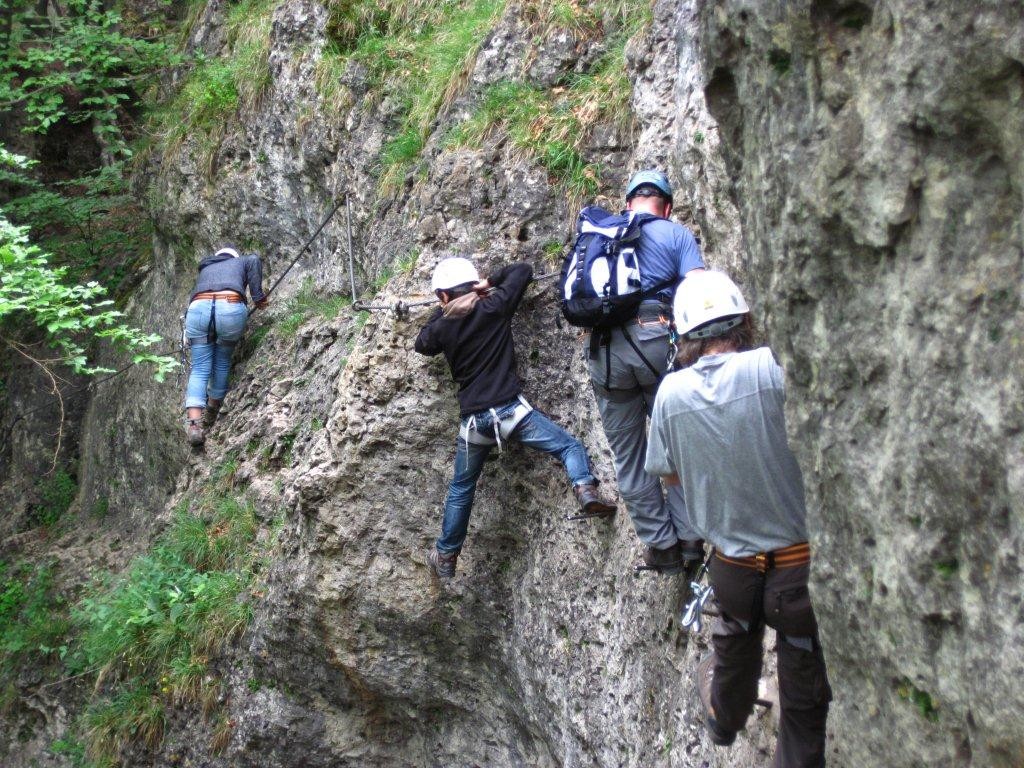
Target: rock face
[
  {"x": 858, "y": 168},
  {"x": 875, "y": 156}
]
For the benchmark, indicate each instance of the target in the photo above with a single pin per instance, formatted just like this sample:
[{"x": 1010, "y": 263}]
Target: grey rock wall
[
  {"x": 857, "y": 166},
  {"x": 546, "y": 650},
  {"x": 874, "y": 155}
]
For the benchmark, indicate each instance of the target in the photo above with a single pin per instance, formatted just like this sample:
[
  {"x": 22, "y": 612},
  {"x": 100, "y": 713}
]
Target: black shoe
[
  {"x": 693, "y": 550},
  {"x": 705, "y": 674},
  {"x": 442, "y": 563},
  {"x": 591, "y": 503},
  {"x": 667, "y": 561}
]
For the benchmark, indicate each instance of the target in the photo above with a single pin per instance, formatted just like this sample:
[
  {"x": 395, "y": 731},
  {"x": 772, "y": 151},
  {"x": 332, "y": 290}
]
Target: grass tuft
[
  {"x": 418, "y": 53},
  {"x": 552, "y": 127},
  {"x": 311, "y": 302},
  {"x": 149, "y": 635},
  {"x": 216, "y": 89}
]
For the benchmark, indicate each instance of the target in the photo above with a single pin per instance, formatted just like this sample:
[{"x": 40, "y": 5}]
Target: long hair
[
  {"x": 740, "y": 338},
  {"x": 457, "y": 291}
]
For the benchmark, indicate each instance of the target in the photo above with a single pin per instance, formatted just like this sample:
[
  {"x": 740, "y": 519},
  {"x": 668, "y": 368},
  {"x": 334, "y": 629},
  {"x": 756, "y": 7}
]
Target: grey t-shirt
[{"x": 719, "y": 425}]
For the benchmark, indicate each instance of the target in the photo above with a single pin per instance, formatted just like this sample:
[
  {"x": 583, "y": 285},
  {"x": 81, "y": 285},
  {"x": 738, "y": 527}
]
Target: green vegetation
[
  {"x": 922, "y": 700},
  {"x": 81, "y": 61},
  {"x": 91, "y": 224},
  {"x": 33, "y": 618},
  {"x": 217, "y": 88},
  {"x": 55, "y": 492},
  {"x": 553, "y": 126},
  {"x": 149, "y": 636},
  {"x": 419, "y": 53},
  {"x": 145, "y": 639},
  {"x": 310, "y": 302},
  {"x": 947, "y": 569},
  {"x": 34, "y": 293},
  {"x": 100, "y": 508}
]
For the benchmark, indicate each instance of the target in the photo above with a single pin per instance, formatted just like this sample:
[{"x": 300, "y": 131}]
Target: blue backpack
[{"x": 600, "y": 280}]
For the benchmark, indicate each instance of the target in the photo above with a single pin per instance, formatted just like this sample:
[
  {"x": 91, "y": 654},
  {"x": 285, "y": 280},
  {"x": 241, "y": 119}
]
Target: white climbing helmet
[
  {"x": 704, "y": 298},
  {"x": 450, "y": 273},
  {"x": 228, "y": 252}
]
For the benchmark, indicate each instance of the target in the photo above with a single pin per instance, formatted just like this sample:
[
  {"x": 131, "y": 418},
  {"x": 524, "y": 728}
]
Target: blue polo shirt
[{"x": 666, "y": 251}]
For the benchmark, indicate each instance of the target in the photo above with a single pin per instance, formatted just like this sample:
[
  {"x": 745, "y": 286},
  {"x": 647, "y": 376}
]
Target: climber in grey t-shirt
[
  {"x": 718, "y": 431},
  {"x": 733, "y": 401}
]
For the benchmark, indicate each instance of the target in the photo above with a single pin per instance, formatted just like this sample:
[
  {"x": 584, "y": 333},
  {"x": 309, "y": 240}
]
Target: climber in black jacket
[{"x": 473, "y": 330}]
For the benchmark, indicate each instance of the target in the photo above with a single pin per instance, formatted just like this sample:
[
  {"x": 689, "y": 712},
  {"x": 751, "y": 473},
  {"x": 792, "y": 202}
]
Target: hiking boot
[
  {"x": 195, "y": 433},
  {"x": 705, "y": 674},
  {"x": 591, "y": 503},
  {"x": 693, "y": 550},
  {"x": 668, "y": 561},
  {"x": 211, "y": 413},
  {"x": 442, "y": 563}
]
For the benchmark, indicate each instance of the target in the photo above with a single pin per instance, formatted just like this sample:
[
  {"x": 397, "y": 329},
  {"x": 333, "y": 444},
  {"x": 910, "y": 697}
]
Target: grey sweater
[
  {"x": 720, "y": 426},
  {"x": 226, "y": 273}
]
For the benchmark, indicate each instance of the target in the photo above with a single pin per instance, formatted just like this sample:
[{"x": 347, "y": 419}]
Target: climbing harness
[
  {"x": 693, "y": 611},
  {"x": 184, "y": 349},
  {"x": 499, "y": 428},
  {"x": 401, "y": 308}
]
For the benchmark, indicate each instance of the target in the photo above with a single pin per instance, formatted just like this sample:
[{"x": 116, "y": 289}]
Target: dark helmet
[{"x": 651, "y": 178}]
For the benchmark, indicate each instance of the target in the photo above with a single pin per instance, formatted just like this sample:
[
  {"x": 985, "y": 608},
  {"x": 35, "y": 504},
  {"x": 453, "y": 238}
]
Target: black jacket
[
  {"x": 479, "y": 347},
  {"x": 226, "y": 273}
]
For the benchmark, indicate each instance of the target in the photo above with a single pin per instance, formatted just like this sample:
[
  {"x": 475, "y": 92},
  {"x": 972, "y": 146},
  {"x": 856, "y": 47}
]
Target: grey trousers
[{"x": 625, "y": 405}]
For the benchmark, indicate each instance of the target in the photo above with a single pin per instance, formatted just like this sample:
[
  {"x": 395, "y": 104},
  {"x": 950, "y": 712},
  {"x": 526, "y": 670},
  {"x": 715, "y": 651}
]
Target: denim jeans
[
  {"x": 535, "y": 430},
  {"x": 211, "y": 363}
]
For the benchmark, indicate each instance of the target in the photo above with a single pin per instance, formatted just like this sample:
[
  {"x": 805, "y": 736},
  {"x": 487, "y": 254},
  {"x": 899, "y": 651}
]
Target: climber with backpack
[
  {"x": 473, "y": 330},
  {"x": 214, "y": 323},
  {"x": 618, "y": 282},
  {"x": 718, "y": 431}
]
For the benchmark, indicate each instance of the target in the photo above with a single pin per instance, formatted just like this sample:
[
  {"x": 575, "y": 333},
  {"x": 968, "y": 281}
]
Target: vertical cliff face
[
  {"x": 874, "y": 155},
  {"x": 857, "y": 167}
]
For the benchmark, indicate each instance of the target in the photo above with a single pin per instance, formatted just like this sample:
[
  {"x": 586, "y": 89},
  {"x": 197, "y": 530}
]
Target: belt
[
  {"x": 229, "y": 296},
  {"x": 787, "y": 557}
]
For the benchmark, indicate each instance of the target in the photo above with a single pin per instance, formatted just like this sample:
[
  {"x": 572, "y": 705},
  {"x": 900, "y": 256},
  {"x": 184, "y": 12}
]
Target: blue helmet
[{"x": 652, "y": 178}]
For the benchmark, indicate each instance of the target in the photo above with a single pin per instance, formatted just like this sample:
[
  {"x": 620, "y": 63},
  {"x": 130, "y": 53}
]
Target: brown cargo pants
[{"x": 748, "y": 600}]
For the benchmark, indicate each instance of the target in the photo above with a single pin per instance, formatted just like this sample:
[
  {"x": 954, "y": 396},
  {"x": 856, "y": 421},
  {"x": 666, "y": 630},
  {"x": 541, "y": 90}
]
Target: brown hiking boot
[
  {"x": 442, "y": 563},
  {"x": 591, "y": 503},
  {"x": 211, "y": 413},
  {"x": 705, "y": 676},
  {"x": 195, "y": 433},
  {"x": 668, "y": 561}
]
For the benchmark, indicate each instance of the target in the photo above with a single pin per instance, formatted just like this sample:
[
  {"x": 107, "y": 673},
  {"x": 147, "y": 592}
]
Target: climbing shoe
[
  {"x": 668, "y": 561},
  {"x": 211, "y": 413},
  {"x": 591, "y": 503},
  {"x": 195, "y": 433},
  {"x": 442, "y": 563},
  {"x": 705, "y": 675}
]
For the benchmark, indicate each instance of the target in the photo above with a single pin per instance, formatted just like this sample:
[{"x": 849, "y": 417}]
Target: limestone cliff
[{"x": 857, "y": 166}]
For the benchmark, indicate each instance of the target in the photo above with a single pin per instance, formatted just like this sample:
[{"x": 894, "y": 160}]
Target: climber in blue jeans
[
  {"x": 473, "y": 330},
  {"x": 214, "y": 324},
  {"x": 533, "y": 429}
]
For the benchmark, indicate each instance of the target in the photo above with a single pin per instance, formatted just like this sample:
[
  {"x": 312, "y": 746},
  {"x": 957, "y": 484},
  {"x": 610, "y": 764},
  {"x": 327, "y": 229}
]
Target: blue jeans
[
  {"x": 535, "y": 430},
  {"x": 211, "y": 363}
]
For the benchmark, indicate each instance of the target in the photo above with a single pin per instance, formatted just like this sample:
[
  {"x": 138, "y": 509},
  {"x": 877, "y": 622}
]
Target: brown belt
[
  {"x": 787, "y": 557},
  {"x": 229, "y": 296}
]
